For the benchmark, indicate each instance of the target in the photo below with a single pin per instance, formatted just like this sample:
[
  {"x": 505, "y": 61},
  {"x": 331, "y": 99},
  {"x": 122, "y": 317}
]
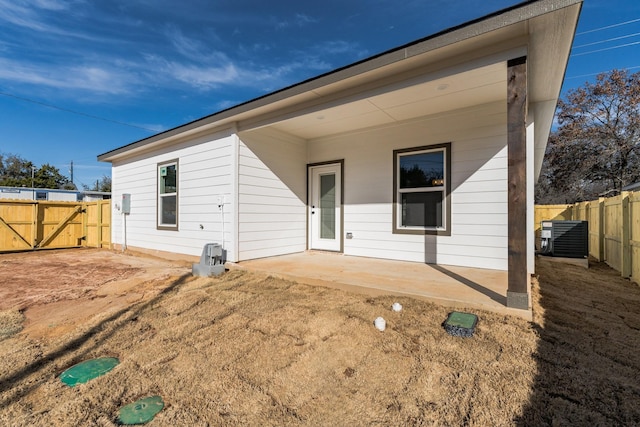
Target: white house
[
  {"x": 28, "y": 193},
  {"x": 426, "y": 153},
  {"x": 50, "y": 194}
]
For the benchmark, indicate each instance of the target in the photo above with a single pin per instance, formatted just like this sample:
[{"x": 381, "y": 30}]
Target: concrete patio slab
[{"x": 457, "y": 287}]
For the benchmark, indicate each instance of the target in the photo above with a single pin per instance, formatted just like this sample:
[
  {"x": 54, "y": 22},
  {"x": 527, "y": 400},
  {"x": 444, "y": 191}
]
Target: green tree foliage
[
  {"x": 594, "y": 150},
  {"x": 412, "y": 177},
  {"x": 103, "y": 184},
  {"x": 15, "y": 171},
  {"x": 18, "y": 172}
]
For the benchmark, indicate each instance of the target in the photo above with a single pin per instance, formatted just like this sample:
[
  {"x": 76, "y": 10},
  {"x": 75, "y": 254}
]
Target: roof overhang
[{"x": 457, "y": 68}]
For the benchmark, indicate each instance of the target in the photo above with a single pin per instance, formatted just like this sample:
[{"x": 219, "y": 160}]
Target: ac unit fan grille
[{"x": 570, "y": 239}]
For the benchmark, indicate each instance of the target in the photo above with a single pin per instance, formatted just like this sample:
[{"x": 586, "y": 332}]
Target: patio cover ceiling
[{"x": 465, "y": 89}]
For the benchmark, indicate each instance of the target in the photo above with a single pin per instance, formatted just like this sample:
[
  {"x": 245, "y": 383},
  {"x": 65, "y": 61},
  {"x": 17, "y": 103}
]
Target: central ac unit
[{"x": 568, "y": 239}]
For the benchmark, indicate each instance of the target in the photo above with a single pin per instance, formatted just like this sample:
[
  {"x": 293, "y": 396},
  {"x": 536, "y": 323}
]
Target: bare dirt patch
[
  {"x": 56, "y": 290},
  {"x": 249, "y": 349},
  {"x": 588, "y": 323}
]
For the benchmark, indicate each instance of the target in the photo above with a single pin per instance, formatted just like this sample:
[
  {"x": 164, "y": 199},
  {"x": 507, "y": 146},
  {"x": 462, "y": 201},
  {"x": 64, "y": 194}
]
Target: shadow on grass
[
  {"x": 96, "y": 331},
  {"x": 588, "y": 357},
  {"x": 470, "y": 283}
]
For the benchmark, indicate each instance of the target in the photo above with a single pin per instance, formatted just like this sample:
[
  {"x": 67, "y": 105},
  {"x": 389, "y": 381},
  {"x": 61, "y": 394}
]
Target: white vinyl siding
[
  {"x": 205, "y": 175},
  {"x": 271, "y": 195},
  {"x": 478, "y": 227},
  {"x": 30, "y": 194}
]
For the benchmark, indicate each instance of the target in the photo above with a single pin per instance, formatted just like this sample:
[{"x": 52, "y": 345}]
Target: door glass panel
[{"x": 328, "y": 206}]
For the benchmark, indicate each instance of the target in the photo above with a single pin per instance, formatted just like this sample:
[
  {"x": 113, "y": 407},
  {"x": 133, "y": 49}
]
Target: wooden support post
[
  {"x": 34, "y": 224},
  {"x": 518, "y": 277},
  {"x": 99, "y": 223},
  {"x": 600, "y": 214},
  {"x": 587, "y": 215},
  {"x": 85, "y": 224},
  {"x": 625, "y": 240}
]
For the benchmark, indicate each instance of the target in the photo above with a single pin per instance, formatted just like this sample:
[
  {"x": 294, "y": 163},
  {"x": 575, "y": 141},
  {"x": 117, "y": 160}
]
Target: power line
[
  {"x": 608, "y": 26},
  {"x": 607, "y": 40},
  {"x": 91, "y": 116},
  {"x": 604, "y": 49},
  {"x": 600, "y": 72}
]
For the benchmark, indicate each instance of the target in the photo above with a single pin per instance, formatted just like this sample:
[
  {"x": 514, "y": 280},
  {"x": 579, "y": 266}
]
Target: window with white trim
[
  {"x": 421, "y": 184},
  {"x": 168, "y": 195}
]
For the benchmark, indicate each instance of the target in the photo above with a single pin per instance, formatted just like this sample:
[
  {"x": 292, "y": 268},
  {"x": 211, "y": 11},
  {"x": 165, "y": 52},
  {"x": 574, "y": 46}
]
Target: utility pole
[
  {"x": 71, "y": 171},
  {"x": 33, "y": 190}
]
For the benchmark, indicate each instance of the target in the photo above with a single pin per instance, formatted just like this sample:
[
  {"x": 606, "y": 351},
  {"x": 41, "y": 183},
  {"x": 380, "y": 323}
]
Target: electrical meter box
[{"x": 126, "y": 203}]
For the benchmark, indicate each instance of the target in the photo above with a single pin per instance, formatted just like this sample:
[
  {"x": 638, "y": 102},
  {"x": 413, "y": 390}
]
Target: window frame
[
  {"x": 159, "y": 196},
  {"x": 398, "y": 228}
]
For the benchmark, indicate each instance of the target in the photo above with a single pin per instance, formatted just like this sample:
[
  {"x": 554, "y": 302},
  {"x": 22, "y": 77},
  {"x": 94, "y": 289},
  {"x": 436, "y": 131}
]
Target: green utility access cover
[
  {"x": 88, "y": 370},
  {"x": 460, "y": 324},
  {"x": 141, "y": 411}
]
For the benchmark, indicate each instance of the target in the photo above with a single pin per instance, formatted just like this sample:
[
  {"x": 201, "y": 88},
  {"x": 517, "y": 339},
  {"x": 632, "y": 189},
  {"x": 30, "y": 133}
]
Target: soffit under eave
[
  {"x": 550, "y": 41},
  {"x": 551, "y": 38},
  {"x": 467, "y": 57},
  {"x": 542, "y": 114}
]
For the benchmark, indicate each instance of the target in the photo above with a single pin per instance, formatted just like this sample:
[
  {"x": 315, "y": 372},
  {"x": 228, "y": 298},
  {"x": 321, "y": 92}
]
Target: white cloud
[
  {"x": 339, "y": 47},
  {"x": 51, "y": 4},
  {"x": 198, "y": 75},
  {"x": 281, "y": 25},
  {"x": 85, "y": 77},
  {"x": 206, "y": 68},
  {"x": 154, "y": 127},
  {"x": 224, "y": 104},
  {"x": 298, "y": 20},
  {"x": 174, "y": 56},
  {"x": 28, "y": 15},
  {"x": 204, "y": 76},
  {"x": 192, "y": 49},
  {"x": 301, "y": 20},
  {"x": 19, "y": 15},
  {"x": 76, "y": 165}
]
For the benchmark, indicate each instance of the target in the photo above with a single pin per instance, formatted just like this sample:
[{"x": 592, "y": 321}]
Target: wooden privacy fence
[
  {"x": 614, "y": 229},
  {"x": 29, "y": 224}
]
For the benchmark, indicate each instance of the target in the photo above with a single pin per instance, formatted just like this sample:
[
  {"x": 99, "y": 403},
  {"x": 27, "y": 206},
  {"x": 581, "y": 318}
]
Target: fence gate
[
  {"x": 17, "y": 225},
  {"x": 29, "y": 224}
]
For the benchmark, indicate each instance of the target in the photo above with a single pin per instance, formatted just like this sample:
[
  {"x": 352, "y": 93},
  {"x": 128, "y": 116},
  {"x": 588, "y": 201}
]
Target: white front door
[{"x": 325, "y": 207}]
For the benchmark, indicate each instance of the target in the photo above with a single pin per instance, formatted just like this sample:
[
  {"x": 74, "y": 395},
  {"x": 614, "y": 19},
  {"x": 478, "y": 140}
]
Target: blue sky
[{"x": 117, "y": 71}]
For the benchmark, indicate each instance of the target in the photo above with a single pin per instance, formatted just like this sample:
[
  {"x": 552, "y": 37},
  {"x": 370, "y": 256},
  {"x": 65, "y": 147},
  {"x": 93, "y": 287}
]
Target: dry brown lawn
[{"x": 248, "y": 349}]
